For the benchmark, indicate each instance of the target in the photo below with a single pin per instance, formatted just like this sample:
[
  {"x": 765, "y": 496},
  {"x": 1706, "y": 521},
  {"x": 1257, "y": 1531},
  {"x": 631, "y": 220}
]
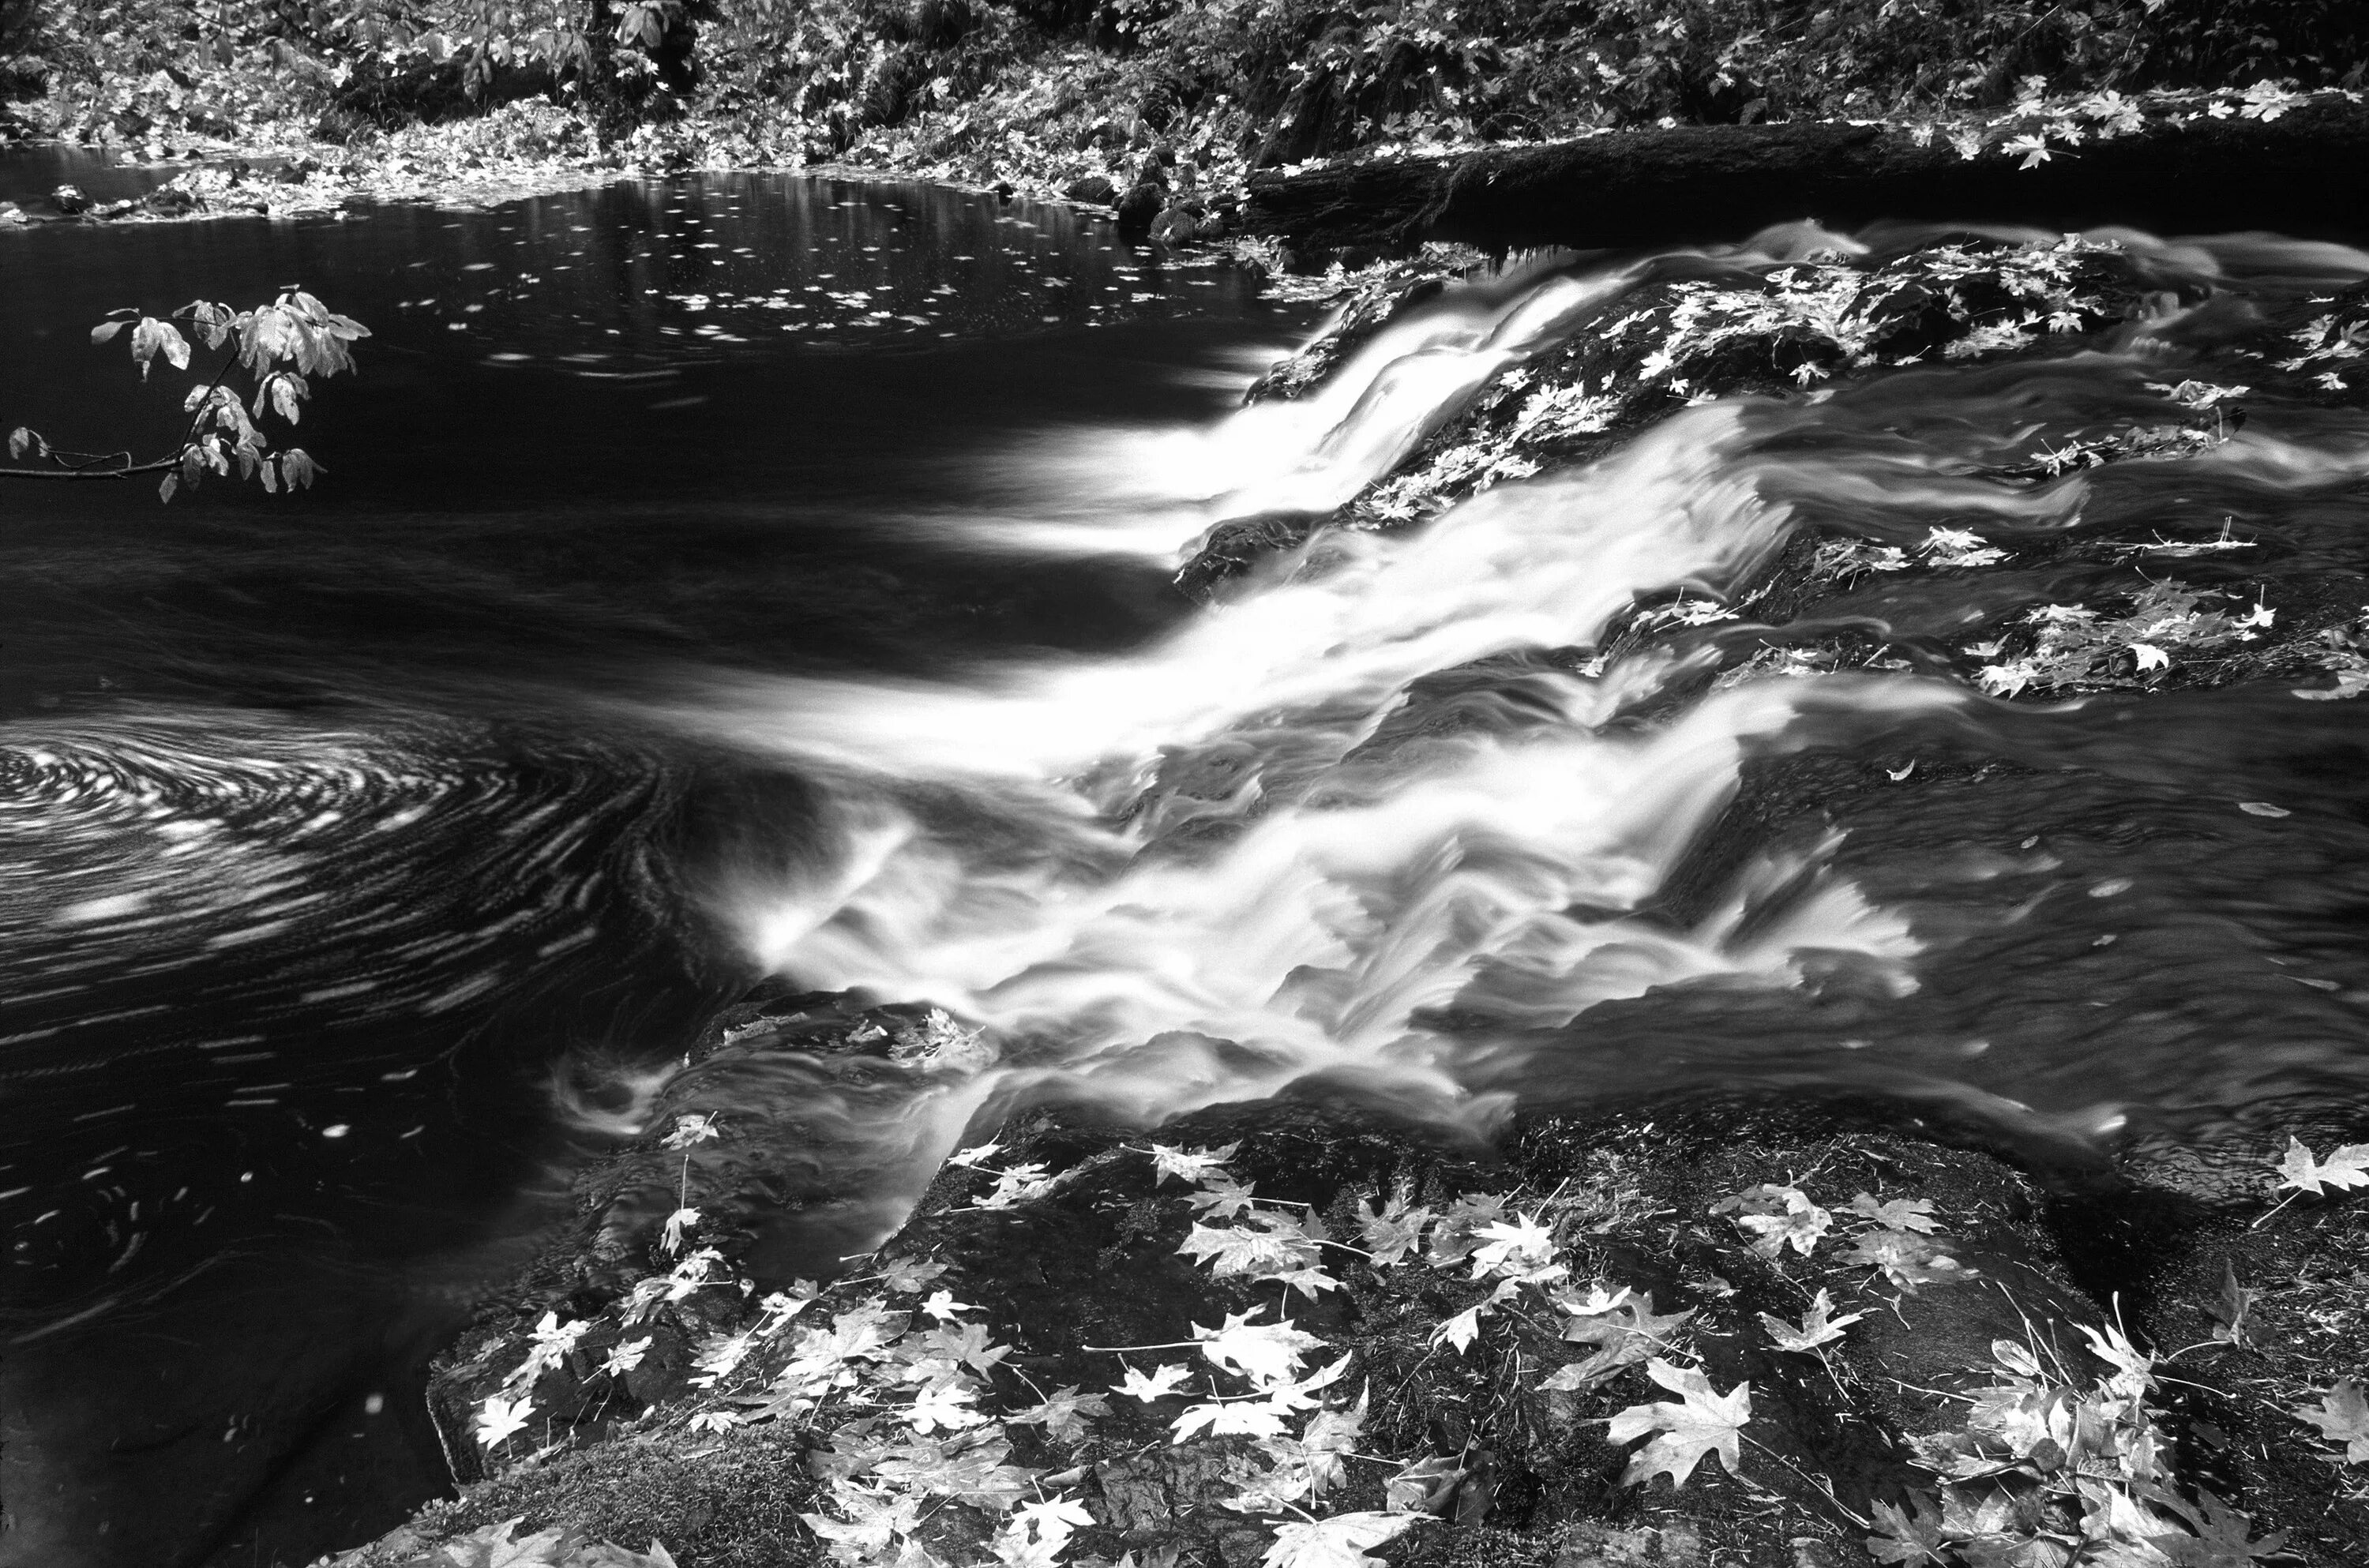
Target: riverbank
[{"x": 1166, "y": 117}]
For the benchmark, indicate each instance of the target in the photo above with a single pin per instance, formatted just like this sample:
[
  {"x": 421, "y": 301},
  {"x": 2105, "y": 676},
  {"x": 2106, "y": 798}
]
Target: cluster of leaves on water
[{"x": 278, "y": 348}]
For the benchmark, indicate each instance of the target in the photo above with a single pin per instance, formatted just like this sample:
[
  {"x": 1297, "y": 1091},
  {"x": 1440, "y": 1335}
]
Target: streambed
[{"x": 746, "y": 577}]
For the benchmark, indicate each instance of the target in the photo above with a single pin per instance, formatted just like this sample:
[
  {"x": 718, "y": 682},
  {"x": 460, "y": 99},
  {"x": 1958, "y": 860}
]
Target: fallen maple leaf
[
  {"x": 2345, "y": 1167},
  {"x": 1913, "y": 1535},
  {"x": 2220, "y": 1538},
  {"x": 1817, "y": 1327},
  {"x": 1394, "y": 1232},
  {"x": 2342, "y": 1417},
  {"x": 1460, "y": 1330},
  {"x": 1265, "y": 1242},
  {"x": 1623, "y": 1335},
  {"x": 1512, "y": 1248},
  {"x": 1337, "y": 1543},
  {"x": 1777, "y": 1218},
  {"x": 2230, "y": 1310},
  {"x": 1899, "y": 1214},
  {"x": 1191, "y": 1166},
  {"x": 1265, "y": 1353},
  {"x": 1704, "y": 1422},
  {"x": 499, "y": 1417},
  {"x": 1161, "y": 1384}
]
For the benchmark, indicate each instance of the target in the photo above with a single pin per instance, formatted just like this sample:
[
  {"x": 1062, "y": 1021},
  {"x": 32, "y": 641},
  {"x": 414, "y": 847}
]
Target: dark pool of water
[{"x": 321, "y": 851}]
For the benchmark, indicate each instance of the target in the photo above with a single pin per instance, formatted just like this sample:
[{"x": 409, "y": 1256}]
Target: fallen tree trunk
[{"x": 2300, "y": 173}]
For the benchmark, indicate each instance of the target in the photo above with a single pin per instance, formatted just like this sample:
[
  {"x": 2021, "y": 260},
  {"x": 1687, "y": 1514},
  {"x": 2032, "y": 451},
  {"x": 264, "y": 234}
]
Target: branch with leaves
[{"x": 275, "y": 351}]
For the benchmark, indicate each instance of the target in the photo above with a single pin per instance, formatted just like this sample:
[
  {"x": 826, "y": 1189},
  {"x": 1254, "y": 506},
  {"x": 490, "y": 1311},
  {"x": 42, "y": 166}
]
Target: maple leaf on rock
[
  {"x": 1161, "y": 1384},
  {"x": 906, "y": 1277},
  {"x": 1799, "y": 1224},
  {"x": 2230, "y": 1308},
  {"x": 1460, "y": 1330},
  {"x": 1056, "y": 1520},
  {"x": 1456, "y": 1236},
  {"x": 2342, "y": 1417},
  {"x": 943, "y": 1306},
  {"x": 2345, "y": 1167},
  {"x": 494, "y": 1546},
  {"x": 1390, "y": 1235},
  {"x": 2134, "y": 1368},
  {"x": 1330, "y": 1436},
  {"x": 499, "y": 1418},
  {"x": 1818, "y": 1328},
  {"x": 942, "y": 1406},
  {"x": 1908, "y": 1259},
  {"x": 873, "y": 1518},
  {"x": 1308, "y": 1282},
  {"x": 1899, "y": 1214},
  {"x": 973, "y": 1474},
  {"x": 1337, "y": 1543},
  {"x": 2220, "y": 1540},
  {"x": 1221, "y": 1196},
  {"x": 1266, "y": 1354},
  {"x": 1194, "y": 1165},
  {"x": 1265, "y": 1242},
  {"x": 1524, "y": 1244},
  {"x": 1231, "y": 1418},
  {"x": 1704, "y": 1421},
  {"x": 1063, "y": 1414},
  {"x": 1913, "y": 1535},
  {"x": 1623, "y": 1335},
  {"x": 1426, "y": 1486}
]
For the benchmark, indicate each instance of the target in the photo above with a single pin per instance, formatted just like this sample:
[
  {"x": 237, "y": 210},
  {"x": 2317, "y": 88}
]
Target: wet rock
[
  {"x": 1365, "y": 314},
  {"x": 1179, "y": 223},
  {"x": 1138, "y": 208},
  {"x": 68, "y": 200},
  {"x": 1093, "y": 188},
  {"x": 1944, "y": 1253}
]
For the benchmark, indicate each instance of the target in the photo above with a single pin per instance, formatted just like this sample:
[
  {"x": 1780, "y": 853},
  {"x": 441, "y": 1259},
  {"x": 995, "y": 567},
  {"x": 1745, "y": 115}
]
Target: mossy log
[{"x": 2300, "y": 173}]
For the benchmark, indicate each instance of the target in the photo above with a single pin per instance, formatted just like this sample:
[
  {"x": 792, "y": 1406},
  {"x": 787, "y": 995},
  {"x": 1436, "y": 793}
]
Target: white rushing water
[{"x": 1363, "y": 880}]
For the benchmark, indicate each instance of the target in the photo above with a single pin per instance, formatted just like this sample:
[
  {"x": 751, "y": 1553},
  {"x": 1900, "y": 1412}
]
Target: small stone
[
  {"x": 1093, "y": 188},
  {"x": 68, "y": 200}
]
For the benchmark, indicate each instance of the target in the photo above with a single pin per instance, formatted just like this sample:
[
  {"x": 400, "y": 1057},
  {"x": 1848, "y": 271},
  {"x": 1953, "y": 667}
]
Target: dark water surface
[
  {"x": 735, "y": 575},
  {"x": 321, "y": 849}
]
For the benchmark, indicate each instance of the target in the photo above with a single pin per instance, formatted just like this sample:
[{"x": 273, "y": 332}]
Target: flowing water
[{"x": 740, "y": 577}]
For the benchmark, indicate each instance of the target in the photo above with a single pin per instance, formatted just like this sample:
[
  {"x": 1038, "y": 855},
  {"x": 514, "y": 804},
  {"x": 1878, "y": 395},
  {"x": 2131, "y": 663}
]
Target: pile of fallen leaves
[{"x": 915, "y": 1399}]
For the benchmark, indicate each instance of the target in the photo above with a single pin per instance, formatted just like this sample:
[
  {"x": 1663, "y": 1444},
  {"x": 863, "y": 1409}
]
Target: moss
[{"x": 721, "y": 1500}]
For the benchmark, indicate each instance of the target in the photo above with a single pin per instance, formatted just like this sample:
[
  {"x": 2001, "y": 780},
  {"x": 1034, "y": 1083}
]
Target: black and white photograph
[{"x": 1184, "y": 784}]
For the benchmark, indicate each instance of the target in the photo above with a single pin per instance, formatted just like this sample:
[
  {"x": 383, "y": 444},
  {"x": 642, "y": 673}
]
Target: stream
[{"x": 740, "y": 577}]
